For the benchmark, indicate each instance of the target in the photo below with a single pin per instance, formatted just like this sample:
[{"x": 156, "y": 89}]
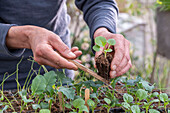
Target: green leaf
[
  {"x": 90, "y": 102},
  {"x": 146, "y": 85},
  {"x": 24, "y": 98},
  {"x": 44, "y": 111},
  {"x": 78, "y": 102},
  {"x": 127, "y": 98},
  {"x": 135, "y": 109},
  {"x": 108, "y": 50},
  {"x": 111, "y": 42},
  {"x": 141, "y": 94},
  {"x": 126, "y": 105},
  {"x": 50, "y": 78},
  {"x": 38, "y": 84},
  {"x": 100, "y": 41},
  {"x": 83, "y": 108},
  {"x": 153, "y": 111},
  {"x": 163, "y": 97},
  {"x": 23, "y": 93},
  {"x": 68, "y": 92},
  {"x": 108, "y": 101},
  {"x": 96, "y": 48},
  {"x": 44, "y": 105},
  {"x": 155, "y": 94},
  {"x": 68, "y": 106},
  {"x": 36, "y": 106}
]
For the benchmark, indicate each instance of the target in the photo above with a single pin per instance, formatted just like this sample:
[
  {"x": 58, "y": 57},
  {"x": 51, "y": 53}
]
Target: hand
[
  {"x": 47, "y": 47},
  {"x": 121, "y": 62}
]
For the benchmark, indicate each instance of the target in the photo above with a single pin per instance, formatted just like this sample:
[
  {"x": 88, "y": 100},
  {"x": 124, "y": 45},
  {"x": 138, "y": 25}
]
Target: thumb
[{"x": 63, "y": 49}]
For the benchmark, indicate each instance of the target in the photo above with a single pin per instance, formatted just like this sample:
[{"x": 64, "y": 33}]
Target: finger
[
  {"x": 124, "y": 70},
  {"x": 126, "y": 58},
  {"x": 61, "y": 47},
  {"x": 77, "y": 53},
  {"x": 52, "y": 56},
  {"x": 119, "y": 52},
  {"x": 74, "y": 49}
]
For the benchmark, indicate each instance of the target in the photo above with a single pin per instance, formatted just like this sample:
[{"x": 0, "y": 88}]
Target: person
[{"x": 39, "y": 28}]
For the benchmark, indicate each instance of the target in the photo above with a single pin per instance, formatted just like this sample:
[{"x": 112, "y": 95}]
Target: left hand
[{"x": 121, "y": 62}]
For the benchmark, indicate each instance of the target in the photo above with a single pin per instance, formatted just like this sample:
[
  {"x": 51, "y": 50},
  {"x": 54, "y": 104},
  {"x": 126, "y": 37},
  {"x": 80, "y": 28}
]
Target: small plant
[{"x": 101, "y": 42}]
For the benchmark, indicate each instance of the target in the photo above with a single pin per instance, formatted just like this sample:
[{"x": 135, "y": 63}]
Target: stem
[
  {"x": 105, "y": 54},
  {"x": 17, "y": 74},
  {"x": 28, "y": 75},
  {"x": 8, "y": 101}
]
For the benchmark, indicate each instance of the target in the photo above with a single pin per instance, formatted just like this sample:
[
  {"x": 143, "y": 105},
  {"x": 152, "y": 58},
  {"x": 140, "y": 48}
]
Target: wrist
[{"x": 17, "y": 37}]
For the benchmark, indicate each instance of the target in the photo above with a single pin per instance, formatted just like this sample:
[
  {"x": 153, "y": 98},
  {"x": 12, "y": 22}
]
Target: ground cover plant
[{"x": 47, "y": 95}]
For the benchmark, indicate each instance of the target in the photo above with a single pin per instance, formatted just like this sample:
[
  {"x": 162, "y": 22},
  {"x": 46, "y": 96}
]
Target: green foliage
[
  {"x": 153, "y": 111},
  {"x": 135, "y": 109},
  {"x": 68, "y": 92},
  {"x": 101, "y": 42},
  {"x": 44, "y": 111},
  {"x": 127, "y": 98},
  {"x": 38, "y": 85},
  {"x": 78, "y": 102},
  {"x": 141, "y": 94}
]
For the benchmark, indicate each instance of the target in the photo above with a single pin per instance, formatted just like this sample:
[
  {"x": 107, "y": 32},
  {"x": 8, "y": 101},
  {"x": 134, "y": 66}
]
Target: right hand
[{"x": 47, "y": 47}]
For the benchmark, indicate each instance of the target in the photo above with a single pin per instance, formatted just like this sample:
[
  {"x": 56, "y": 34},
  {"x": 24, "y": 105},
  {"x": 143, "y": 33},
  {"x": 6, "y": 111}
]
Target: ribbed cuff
[{"x": 4, "y": 28}]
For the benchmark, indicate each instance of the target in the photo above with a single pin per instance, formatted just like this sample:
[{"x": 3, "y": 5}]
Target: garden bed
[{"x": 47, "y": 95}]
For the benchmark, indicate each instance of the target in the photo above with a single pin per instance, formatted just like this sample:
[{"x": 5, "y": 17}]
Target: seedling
[
  {"x": 109, "y": 104},
  {"x": 101, "y": 43}
]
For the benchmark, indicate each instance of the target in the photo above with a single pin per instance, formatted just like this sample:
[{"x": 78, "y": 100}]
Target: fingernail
[
  {"x": 71, "y": 54},
  {"x": 114, "y": 67},
  {"x": 113, "y": 74}
]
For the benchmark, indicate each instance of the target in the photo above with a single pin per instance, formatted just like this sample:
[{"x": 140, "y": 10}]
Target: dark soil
[{"x": 103, "y": 65}]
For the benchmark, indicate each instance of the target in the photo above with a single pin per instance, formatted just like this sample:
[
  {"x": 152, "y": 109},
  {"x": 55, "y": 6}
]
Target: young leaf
[
  {"x": 127, "y": 98},
  {"x": 50, "y": 78},
  {"x": 44, "y": 105},
  {"x": 36, "y": 106},
  {"x": 108, "y": 50},
  {"x": 68, "y": 106},
  {"x": 100, "y": 41},
  {"x": 38, "y": 84},
  {"x": 163, "y": 97},
  {"x": 141, "y": 94},
  {"x": 155, "y": 94},
  {"x": 126, "y": 105},
  {"x": 78, "y": 102},
  {"x": 111, "y": 42},
  {"x": 44, "y": 111},
  {"x": 68, "y": 92},
  {"x": 146, "y": 85},
  {"x": 153, "y": 111},
  {"x": 90, "y": 102},
  {"x": 96, "y": 48},
  {"x": 108, "y": 101},
  {"x": 83, "y": 108},
  {"x": 135, "y": 109},
  {"x": 26, "y": 100}
]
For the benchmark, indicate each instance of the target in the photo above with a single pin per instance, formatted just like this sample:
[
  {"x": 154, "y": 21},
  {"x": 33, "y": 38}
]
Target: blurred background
[{"x": 145, "y": 23}]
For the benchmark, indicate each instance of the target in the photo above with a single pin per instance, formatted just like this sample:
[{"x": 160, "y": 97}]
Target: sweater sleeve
[
  {"x": 99, "y": 13},
  {"x": 3, "y": 48}
]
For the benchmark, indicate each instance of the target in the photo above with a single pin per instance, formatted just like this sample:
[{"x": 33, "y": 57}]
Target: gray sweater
[{"x": 52, "y": 15}]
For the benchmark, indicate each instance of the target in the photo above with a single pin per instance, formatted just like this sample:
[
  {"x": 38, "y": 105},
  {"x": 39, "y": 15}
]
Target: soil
[{"x": 103, "y": 65}]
